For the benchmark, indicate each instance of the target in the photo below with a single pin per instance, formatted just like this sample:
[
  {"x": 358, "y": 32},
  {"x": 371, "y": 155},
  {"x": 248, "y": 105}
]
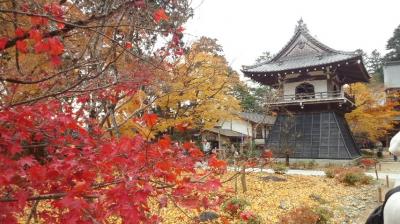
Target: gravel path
[{"x": 381, "y": 175}]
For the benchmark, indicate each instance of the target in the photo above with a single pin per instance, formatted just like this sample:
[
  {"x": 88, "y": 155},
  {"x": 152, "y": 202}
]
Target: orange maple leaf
[{"x": 160, "y": 15}]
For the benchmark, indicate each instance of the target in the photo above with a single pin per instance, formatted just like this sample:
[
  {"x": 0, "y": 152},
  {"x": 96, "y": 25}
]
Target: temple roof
[
  {"x": 303, "y": 51},
  {"x": 258, "y": 118},
  {"x": 295, "y": 63}
]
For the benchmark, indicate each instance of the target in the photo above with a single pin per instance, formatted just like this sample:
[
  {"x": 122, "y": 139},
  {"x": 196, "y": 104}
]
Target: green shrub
[
  {"x": 351, "y": 178},
  {"x": 324, "y": 214}
]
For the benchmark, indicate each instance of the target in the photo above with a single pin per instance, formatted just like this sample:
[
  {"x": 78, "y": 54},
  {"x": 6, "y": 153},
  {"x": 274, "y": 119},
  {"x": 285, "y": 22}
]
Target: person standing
[{"x": 206, "y": 147}]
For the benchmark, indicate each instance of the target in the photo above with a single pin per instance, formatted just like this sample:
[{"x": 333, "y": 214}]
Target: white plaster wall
[
  {"x": 259, "y": 141},
  {"x": 319, "y": 86},
  {"x": 240, "y": 126},
  {"x": 392, "y": 76}
]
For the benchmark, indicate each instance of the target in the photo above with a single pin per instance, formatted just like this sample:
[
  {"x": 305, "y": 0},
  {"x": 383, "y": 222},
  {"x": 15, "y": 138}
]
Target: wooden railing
[{"x": 337, "y": 95}]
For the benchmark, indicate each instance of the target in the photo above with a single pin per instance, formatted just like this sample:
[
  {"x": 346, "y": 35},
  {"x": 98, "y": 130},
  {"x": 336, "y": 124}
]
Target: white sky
[{"x": 246, "y": 28}]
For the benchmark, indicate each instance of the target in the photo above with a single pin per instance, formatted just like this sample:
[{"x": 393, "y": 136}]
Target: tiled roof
[
  {"x": 226, "y": 132},
  {"x": 258, "y": 118},
  {"x": 302, "y": 51},
  {"x": 301, "y": 62}
]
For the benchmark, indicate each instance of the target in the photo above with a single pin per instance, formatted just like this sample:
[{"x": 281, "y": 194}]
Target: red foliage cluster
[
  {"x": 367, "y": 162},
  {"x": 232, "y": 209},
  {"x": 246, "y": 215},
  {"x": 304, "y": 215},
  {"x": 39, "y": 26},
  {"x": 46, "y": 153},
  {"x": 54, "y": 152},
  {"x": 160, "y": 15},
  {"x": 267, "y": 154}
]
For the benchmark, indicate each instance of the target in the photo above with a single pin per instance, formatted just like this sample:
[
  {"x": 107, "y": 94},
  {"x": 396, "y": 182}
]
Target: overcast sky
[{"x": 246, "y": 28}]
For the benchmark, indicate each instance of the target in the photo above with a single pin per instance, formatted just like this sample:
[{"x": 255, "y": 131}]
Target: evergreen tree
[
  {"x": 248, "y": 101},
  {"x": 393, "y": 45},
  {"x": 364, "y": 56},
  {"x": 265, "y": 56},
  {"x": 375, "y": 63}
]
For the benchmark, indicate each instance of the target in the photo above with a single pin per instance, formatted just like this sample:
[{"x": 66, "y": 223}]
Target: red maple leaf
[
  {"x": 42, "y": 47},
  {"x": 213, "y": 184},
  {"x": 60, "y": 25},
  {"x": 164, "y": 165},
  {"x": 35, "y": 35},
  {"x": 22, "y": 46},
  {"x": 150, "y": 119},
  {"x": 246, "y": 215},
  {"x": 54, "y": 8},
  {"x": 165, "y": 142},
  {"x": 56, "y": 47},
  {"x": 28, "y": 160},
  {"x": 128, "y": 45},
  {"x": 15, "y": 148},
  {"x": 216, "y": 163},
  {"x": 56, "y": 60},
  {"x": 3, "y": 42},
  {"x": 38, "y": 20},
  {"x": 37, "y": 173},
  {"x": 267, "y": 154},
  {"x": 196, "y": 153},
  {"x": 22, "y": 197},
  {"x": 160, "y": 15},
  {"x": 187, "y": 145},
  {"x": 19, "y": 32}
]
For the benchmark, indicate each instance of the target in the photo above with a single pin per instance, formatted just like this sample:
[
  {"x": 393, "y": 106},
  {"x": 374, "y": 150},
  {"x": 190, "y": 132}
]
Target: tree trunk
[
  {"x": 287, "y": 159},
  {"x": 243, "y": 179}
]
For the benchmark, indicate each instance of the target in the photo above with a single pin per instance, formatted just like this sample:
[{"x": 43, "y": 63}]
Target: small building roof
[
  {"x": 226, "y": 132},
  {"x": 258, "y": 118},
  {"x": 304, "y": 53}
]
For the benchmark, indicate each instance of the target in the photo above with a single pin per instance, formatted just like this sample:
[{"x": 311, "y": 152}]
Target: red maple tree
[{"x": 65, "y": 69}]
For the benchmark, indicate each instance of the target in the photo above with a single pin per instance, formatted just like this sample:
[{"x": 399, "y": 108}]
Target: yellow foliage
[
  {"x": 373, "y": 116},
  {"x": 196, "y": 91},
  {"x": 127, "y": 111},
  {"x": 266, "y": 197}
]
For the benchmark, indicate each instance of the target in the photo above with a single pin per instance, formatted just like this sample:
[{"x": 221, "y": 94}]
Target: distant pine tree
[
  {"x": 375, "y": 63},
  {"x": 393, "y": 45},
  {"x": 265, "y": 56}
]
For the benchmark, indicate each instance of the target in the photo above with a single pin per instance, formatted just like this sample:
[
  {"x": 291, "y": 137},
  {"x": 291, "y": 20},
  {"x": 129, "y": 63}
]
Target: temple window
[{"x": 305, "y": 91}]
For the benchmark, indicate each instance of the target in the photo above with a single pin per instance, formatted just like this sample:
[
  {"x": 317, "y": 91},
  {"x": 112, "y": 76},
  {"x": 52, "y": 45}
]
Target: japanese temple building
[{"x": 309, "y": 78}]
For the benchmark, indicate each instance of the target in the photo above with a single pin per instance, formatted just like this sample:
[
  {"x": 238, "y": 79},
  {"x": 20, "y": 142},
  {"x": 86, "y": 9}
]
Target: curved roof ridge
[{"x": 301, "y": 28}]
